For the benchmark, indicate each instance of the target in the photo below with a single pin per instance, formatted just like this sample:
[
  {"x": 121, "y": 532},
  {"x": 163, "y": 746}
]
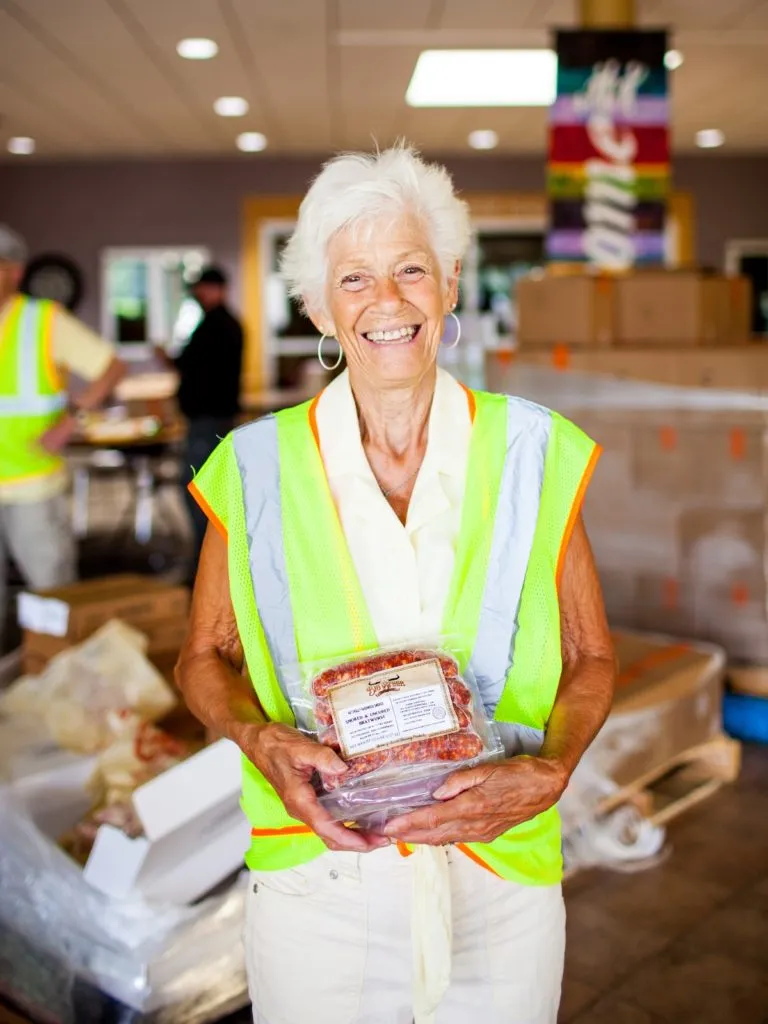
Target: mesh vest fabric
[
  {"x": 329, "y": 616},
  {"x": 31, "y": 397}
]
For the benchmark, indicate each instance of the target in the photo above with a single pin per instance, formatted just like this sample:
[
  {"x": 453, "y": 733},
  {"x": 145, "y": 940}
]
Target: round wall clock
[{"x": 51, "y": 276}]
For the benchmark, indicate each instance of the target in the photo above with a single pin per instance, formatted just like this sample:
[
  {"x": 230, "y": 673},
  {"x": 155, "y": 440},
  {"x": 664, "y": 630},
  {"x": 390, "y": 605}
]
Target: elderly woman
[{"x": 397, "y": 506}]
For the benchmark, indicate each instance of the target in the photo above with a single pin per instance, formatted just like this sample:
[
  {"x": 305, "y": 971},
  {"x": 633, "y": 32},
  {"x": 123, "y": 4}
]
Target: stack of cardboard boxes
[
  {"x": 676, "y": 510},
  {"x": 53, "y": 620},
  {"x": 675, "y": 327}
]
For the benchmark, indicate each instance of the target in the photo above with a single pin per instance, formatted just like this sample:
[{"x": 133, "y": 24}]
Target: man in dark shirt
[{"x": 209, "y": 383}]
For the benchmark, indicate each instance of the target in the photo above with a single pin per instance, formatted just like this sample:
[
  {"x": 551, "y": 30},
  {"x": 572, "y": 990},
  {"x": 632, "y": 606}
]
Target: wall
[{"x": 80, "y": 209}]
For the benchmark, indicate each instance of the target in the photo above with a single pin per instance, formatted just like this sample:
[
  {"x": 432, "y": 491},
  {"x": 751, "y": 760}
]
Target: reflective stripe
[
  {"x": 528, "y": 431},
  {"x": 27, "y": 401},
  {"x": 37, "y": 405},
  {"x": 258, "y": 460}
]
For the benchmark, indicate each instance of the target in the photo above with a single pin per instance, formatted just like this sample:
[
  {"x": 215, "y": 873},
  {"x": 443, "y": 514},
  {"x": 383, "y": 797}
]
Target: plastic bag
[
  {"x": 80, "y": 691},
  {"x": 402, "y": 719}
]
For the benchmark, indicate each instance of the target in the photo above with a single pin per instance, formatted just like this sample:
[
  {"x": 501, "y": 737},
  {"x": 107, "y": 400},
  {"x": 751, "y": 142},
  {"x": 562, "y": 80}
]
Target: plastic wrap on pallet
[{"x": 147, "y": 956}]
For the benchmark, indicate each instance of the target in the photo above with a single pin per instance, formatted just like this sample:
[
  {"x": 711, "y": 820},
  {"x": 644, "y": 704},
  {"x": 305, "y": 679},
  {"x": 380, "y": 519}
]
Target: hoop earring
[
  {"x": 456, "y": 341},
  {"x": 320, "y": 360}
]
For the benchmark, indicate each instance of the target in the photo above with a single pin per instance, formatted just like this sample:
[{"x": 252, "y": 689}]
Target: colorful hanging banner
[{"x": 608, "y": 176}]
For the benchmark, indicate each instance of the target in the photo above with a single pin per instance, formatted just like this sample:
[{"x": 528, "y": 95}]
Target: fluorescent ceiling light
[
  {"x": 483, "y": 138},
  {"x": 709, "y": 138},
  {"x": 483, "y": 78},
  {"x": 673, "y": 59},
  {"x": 197, "y": 49},
  {"x": 21, "y": 145},
  {"x": 251, "y": 142},
  {"x": 231, "y": 106}
]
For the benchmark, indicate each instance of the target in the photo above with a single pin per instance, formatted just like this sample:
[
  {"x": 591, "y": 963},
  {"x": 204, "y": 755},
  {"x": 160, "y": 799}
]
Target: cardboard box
[
  {"x": 668, "y": 699},
  {"x": 572, "y": 310},
  {"x": 671, "y": 308},
  {"x": 739, "y": 368},
  {"x": 739, "y": 309},
  {"x": 56, "y": 619}
]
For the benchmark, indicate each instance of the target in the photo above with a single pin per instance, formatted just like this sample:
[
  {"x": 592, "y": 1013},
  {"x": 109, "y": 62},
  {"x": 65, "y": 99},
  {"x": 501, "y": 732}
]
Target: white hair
[{"x": 354, "y": 189}]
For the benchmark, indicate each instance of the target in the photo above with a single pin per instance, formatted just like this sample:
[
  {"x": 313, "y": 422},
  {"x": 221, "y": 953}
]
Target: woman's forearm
[
  {"x": 217, "y": 694},
  {"x": 582, "y": 705}
]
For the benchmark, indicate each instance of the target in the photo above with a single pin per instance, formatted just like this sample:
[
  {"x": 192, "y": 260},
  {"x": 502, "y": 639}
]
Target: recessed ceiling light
[
  {"x": 231, "y": 106},
  {"x": 251, "y": 142},
  {"x": 709, "y": 138},
  {"x": 483, "y": 78},
  {"x": 21, "y": 145},
  {"x": 483, "y": 138},
  {"x": 197, "y": 49},
  {"x": 673, "y": 59}
]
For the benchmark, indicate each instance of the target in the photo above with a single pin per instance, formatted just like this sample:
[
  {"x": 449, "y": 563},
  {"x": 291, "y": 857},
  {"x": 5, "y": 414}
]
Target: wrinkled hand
[
  {"x": 477, "y": 805},
  {"x": 288, "y": 759},
  {"x": 58, "y": 436}
]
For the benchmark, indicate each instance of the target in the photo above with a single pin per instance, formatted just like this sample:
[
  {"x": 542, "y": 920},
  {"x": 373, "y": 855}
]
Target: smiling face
[{"x": 387, "y": 300}]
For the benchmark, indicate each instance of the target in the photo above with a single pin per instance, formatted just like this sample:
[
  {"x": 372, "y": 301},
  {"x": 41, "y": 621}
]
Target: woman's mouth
[{"x": 395, "y": 336}]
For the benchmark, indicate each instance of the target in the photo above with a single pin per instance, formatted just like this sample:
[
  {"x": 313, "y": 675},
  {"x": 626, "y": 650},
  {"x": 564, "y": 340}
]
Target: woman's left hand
[{"x": 478, "y": 804}]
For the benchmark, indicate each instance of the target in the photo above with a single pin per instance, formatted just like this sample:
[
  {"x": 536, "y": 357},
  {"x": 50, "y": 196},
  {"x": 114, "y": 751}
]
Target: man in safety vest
[{"x": 40, "y": 345}]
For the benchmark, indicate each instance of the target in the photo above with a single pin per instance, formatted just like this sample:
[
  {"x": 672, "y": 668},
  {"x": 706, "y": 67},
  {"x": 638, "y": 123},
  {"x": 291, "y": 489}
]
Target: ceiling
[{"x": 97, "y": 78}]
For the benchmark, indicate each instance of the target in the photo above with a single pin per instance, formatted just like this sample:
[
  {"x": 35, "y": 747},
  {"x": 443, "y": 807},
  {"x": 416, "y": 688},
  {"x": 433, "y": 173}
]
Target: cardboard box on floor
[
  {"x": 668, "y": 699},
  {"x": 55, "y": 619},
  {"x": 672, "y": 307}
]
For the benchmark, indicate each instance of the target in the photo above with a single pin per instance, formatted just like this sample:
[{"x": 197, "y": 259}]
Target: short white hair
[{"x": 354, "y": 189}]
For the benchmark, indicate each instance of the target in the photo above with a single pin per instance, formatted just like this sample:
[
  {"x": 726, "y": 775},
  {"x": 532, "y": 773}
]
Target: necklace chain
[{"x": 391, "y": 490}]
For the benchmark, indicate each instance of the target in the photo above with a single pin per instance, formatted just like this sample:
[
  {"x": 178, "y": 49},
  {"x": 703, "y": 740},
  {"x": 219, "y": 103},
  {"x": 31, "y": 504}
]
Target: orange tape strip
[
  {"x": 651, "y": 660},
  {"x": 561, "y": 357},
  {"x": 738, "y": 443},
  {"x": 667, "y": 438}
]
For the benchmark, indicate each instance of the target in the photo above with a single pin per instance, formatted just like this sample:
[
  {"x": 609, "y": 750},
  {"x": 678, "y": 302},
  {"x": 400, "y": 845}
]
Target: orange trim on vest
[
  {"x": 470, "y": 402},
  {"x": 206, "y": 508},
  {"x": 575, "y": 510},
  {"x": 313, "y": 419},
  {"x": 52, "y": 372},
  {"x": 402, "y": 849},
  {"x": 289, "y": 830},
  {"x": 478, "y": 860}
]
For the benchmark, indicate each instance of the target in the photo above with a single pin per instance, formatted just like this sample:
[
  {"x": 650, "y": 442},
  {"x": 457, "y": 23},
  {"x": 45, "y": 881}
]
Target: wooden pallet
[{"x": 682, "y": 782}]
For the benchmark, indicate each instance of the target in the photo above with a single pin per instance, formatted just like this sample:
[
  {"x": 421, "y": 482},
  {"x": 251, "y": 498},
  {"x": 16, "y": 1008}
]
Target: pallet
[{"x": 682, "y": 782}]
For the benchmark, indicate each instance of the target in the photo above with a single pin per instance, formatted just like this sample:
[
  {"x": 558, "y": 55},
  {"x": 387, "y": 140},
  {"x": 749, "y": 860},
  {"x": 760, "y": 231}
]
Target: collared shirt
[
  {"x": 404, "y": 570},
  {"x": 75, "y": 349}
]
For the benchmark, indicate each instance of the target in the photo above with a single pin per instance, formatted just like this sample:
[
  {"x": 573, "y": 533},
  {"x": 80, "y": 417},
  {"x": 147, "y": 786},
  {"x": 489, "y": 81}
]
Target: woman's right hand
[{"x": 288, "y": 759}]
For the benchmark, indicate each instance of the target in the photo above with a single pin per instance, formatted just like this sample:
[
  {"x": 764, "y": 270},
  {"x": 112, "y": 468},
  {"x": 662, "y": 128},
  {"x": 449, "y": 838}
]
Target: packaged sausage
[{"x": 402, "y": 720}]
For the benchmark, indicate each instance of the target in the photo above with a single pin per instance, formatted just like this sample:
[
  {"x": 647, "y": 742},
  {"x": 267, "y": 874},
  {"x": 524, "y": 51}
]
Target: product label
[
  {"x": 388, "y": 708},
  {"x": 43, "y": 614}
]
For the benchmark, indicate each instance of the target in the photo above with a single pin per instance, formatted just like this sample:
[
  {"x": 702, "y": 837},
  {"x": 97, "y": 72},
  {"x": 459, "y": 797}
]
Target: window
[{"x": 144, "y": 294}]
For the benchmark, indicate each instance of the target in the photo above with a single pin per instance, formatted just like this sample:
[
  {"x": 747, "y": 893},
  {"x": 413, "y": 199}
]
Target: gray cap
[{"x": 13, "y": 248}]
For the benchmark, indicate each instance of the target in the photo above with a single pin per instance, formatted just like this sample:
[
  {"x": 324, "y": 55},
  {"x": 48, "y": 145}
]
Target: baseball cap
[
  {"x": 13, "y": 248},
  {"x": 210, "y": 275}
]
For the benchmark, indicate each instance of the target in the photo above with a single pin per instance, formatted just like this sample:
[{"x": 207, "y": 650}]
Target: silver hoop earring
[
  {"x": 320, "y": 360},
  {"x": 457, "y": 339}
]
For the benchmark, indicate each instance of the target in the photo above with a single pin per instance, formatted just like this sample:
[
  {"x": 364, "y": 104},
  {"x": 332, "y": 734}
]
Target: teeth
[{"x": 384, "y": 336}]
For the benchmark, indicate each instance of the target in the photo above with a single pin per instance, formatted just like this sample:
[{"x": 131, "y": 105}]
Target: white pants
[
  {"x": 329, "y": 943},
  {"x": 38, "y": 535}
]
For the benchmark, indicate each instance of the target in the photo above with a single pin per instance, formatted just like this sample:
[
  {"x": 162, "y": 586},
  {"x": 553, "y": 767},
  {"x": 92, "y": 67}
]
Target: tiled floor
[{"x": 686, "y": 942}]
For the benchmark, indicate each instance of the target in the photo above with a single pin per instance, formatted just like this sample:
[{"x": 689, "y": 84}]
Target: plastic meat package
[{"x": 402, "y": 720}]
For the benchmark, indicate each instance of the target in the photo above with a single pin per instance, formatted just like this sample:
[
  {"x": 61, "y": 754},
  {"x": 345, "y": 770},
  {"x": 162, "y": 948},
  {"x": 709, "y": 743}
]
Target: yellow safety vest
[
  {"x": 31, "y": 394},
  {"x": 296, "y": 595}
]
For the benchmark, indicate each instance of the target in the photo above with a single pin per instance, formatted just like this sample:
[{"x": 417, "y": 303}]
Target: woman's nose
[{"x": 387, "y": 293}]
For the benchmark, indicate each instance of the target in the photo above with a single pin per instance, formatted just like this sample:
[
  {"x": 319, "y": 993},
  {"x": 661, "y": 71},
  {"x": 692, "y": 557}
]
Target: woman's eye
[
  {"x": 352, "y": 282},
  {"x": 414, "y": 272}
]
